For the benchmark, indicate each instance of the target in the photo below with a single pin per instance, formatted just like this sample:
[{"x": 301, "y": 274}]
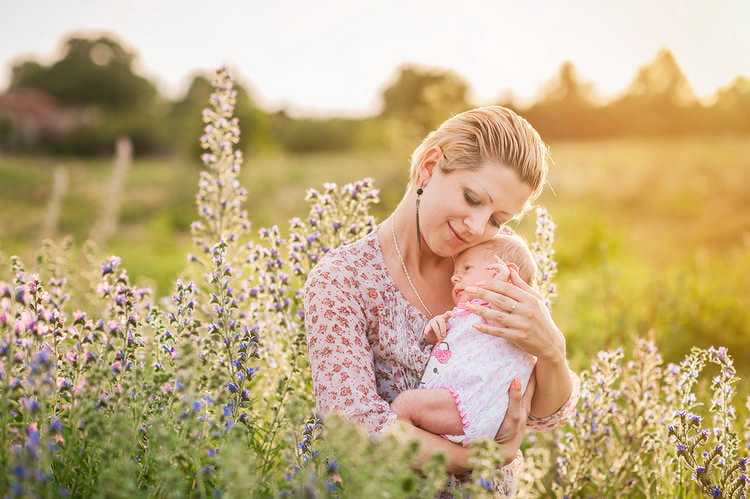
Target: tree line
[{"x": 92, "y": 94}]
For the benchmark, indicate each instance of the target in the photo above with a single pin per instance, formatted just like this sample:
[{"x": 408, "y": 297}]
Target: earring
[{"x": 419, "y": 233}]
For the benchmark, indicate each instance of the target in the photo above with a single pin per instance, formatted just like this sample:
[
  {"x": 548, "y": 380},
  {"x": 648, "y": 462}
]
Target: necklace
[{"x": 403, "y": 265}]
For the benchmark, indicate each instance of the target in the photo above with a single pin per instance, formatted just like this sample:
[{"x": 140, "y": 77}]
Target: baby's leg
[{"x": 432, "y": 410}]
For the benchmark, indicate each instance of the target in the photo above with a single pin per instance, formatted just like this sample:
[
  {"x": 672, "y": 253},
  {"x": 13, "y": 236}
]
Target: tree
[
  {"x": 424, "y": 98},
  {"x": 185, "y": 118},
  {"x": 662, "y": 83},
  {"x": 659, "y": 101},
  {"x": 565, "y": 108},
  {"x": 567, "y": 90},
  {"x": 732, "y": 105},
  {"x": 92, "y": 72},
  {"x": 95, "y": 78}
]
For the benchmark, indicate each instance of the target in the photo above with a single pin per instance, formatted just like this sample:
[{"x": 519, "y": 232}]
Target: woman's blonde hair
[{"x": 489, "y": 133}]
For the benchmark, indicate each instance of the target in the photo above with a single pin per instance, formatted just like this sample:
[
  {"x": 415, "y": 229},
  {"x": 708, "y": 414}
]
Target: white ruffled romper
[{"x": 477, "y": 369}]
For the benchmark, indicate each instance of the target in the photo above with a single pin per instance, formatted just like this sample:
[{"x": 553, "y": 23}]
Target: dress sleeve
[
  {"x": 561, "y": 416},
  {"x": 341, "y": 358}
]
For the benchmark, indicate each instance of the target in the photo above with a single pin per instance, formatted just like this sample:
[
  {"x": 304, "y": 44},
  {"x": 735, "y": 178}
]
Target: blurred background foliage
[
  {"x": 649, "y": 189},
  {"x": 81, "y": 102}
]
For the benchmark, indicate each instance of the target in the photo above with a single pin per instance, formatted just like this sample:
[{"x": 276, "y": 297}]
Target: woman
[{"x": 366, "y": 303}]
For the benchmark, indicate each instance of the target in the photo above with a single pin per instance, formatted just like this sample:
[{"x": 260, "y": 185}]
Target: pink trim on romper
[{"x": 459, "y": 406}]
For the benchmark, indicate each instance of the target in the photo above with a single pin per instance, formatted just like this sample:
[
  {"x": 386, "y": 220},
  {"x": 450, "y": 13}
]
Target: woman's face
[{"x": 463, "y": 208}]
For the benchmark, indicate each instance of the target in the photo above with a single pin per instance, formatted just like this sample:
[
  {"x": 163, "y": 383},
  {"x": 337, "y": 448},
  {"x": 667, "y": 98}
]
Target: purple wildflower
[
  {"x": 56, "y": 426},
  {"x": 332, "y": 466},
  {"x": 30, "y": 404},
  {"x": 486, "y": 484},
  {"x": 109, "y": 266}
]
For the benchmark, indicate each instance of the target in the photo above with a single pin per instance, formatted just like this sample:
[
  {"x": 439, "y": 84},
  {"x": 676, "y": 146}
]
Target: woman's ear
[{"x": 427, "y": 166}]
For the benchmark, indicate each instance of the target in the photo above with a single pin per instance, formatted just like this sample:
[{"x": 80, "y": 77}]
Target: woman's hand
[
  {"x": 511, "y": 431},
  {"x": 517, "y": 313}
]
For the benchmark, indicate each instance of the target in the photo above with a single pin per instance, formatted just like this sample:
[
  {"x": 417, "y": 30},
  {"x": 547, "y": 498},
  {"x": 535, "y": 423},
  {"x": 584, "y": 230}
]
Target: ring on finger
[{"x": 513, "y": 308}]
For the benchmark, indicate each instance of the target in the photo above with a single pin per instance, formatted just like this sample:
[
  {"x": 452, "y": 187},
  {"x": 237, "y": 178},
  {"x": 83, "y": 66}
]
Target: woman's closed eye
[{"x": 473, "y": 201}]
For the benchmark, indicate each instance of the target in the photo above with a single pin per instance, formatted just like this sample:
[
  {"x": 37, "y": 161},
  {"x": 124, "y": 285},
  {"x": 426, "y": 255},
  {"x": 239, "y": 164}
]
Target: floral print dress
[{"x": 365, "y": 345}]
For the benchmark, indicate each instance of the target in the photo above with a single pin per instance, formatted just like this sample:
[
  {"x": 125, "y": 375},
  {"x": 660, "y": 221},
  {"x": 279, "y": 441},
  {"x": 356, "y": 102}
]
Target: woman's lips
[{"x": 455, "y": 233}]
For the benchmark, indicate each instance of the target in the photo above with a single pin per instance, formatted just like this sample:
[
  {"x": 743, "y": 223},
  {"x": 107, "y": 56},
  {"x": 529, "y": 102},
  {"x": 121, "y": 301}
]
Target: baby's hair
[{"x": 513, "y": 248}]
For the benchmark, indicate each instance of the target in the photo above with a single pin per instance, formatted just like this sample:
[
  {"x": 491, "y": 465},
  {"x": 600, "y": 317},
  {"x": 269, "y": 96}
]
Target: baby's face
[{"x": 475, "y": 265}]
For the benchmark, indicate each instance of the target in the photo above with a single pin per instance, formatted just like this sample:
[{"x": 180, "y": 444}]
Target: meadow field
[
  {"x": 652, "y": 245},
  {"x": 653, "y": 236}
]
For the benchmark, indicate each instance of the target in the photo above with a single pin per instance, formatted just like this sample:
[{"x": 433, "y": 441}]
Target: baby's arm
[
  {"x": 432, "y": 410},
  {"x": 437, "y": 328}
]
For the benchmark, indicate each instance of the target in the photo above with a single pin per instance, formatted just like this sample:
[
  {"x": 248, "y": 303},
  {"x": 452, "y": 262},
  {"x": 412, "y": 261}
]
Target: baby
[{"x": 463, "y": 394}]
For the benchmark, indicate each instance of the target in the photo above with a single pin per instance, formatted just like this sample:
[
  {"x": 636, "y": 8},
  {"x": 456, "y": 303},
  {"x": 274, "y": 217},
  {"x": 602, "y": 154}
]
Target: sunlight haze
[{"x": 329, "y": 57}]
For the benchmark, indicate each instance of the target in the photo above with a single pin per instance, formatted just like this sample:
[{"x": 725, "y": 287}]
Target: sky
[{"x": 327, "y": 57}]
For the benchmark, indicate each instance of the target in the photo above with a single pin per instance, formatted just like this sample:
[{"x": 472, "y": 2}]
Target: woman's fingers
[
  {"x": 517, "y": 319},
  {"x": 512, "y": 421},
  {"x": 516, "y": 399},
  {"x": 509, "y": 334},
  {"x": 518, "y": 281},
  {"x": 510, "y": 433},
  {"x": 492, "y": 294},
  {"x": 501, "y": 306},
  {"x": 500, "y": 287},
  {"x": 493, "y": 317},
  {"x": 514, "y": 403},
  {"x": 520, "y": 413}
]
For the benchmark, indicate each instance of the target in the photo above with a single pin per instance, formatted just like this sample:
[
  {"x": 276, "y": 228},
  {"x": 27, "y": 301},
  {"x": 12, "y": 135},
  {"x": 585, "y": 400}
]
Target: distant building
[{"x": 30, "y": 116}]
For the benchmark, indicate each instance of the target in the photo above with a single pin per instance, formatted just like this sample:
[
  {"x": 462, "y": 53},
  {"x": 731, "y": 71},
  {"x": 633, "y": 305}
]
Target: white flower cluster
[
  {"x": 220, "y": 197},
  {"x": 544, "y": 254}
]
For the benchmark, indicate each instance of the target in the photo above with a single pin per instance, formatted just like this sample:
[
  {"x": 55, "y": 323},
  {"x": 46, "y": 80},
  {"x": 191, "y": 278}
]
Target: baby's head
[{"x": 473, "y": 264}]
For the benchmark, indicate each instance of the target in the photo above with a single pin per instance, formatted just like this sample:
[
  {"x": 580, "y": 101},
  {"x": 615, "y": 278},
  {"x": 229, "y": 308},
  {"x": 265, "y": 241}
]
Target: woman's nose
[{"x": 475, "y": 225}]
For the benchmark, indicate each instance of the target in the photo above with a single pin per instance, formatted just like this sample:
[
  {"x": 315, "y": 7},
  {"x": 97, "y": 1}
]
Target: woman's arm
[
  {"x": 554, "y": 385},
  {"x": 341, "y": 362},
  {"x": 563, "y": 414}
]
